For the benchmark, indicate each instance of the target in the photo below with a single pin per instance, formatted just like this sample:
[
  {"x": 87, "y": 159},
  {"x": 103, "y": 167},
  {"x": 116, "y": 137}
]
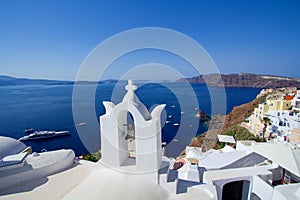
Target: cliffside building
[
  {"x": 296, "y": 101},
  {"x": 282, "y": 113}
]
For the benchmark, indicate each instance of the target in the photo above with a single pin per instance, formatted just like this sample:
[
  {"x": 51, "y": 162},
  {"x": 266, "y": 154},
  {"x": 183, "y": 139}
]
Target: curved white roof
[
  {"x": 9, "y": 146},
  {"x": 107, "y": 184}
]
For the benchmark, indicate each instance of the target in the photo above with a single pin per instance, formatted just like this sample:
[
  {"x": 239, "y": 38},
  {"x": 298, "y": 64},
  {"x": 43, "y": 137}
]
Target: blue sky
[{"x": 50, "y": 39}]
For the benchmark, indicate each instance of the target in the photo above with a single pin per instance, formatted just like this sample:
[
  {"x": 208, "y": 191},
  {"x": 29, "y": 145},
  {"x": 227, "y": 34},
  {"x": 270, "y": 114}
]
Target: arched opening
[
  {"x": 130, "y": 137},
  {"x": 126, "y": 138},
  {"x": 236, "y": 190}
]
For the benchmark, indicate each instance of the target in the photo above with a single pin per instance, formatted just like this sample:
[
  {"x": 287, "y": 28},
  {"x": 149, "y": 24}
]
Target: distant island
[
  {"x": 244, "y": 80},
  {"x": 11, "y": 81}
]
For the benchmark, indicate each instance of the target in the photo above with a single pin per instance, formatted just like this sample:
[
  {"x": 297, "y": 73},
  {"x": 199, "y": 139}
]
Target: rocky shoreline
[{"x": 202, "y": 116}]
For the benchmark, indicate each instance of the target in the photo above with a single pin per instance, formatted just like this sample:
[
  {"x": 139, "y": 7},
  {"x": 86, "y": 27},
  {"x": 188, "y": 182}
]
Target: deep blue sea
[{"x": 49, "y": 107}]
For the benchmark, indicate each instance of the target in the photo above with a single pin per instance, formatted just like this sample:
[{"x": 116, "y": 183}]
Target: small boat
[
  {"x": 182, "y": 113},
  {"x": 168, "y": 122},
  {"x": 39, "y": 135},
  {"x": 170, "y": 116},
  {"x": 173, "y": 106},
  {"x": 176, "y": 124},
  {"x": 175, "y": 140}
]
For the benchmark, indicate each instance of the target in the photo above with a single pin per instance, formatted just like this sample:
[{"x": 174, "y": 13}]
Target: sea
[{"x": 49, "y": 107}]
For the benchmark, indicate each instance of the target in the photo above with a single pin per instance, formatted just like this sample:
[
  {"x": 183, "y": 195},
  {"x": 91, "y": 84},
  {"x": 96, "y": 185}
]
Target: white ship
[{"x": 38, "y": 135}]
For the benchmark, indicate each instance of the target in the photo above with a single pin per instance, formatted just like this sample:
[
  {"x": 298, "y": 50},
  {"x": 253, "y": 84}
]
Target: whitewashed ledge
[
  {"x": 33, "y": 166},
  {"x": 10, "y": 146},
  {"x": 53, "y": 187}
]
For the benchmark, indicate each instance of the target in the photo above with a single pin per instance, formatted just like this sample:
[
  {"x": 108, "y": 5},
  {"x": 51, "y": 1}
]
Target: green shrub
[
  {"x": 239, "y": 133},
  {"x": 94, "y": 157}
]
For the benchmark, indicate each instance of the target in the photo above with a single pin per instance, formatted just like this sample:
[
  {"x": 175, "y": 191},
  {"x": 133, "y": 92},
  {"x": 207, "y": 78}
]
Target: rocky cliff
[
  {"x": 244, "y": 80},
  {"x": 222, "y": 123}
]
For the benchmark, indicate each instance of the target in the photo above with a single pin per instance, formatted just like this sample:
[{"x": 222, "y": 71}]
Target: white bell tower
[{"x": 113, "y": 128}]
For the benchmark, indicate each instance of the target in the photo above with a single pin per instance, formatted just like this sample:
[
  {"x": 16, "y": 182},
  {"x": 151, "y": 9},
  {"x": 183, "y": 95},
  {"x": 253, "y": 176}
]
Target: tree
[{"x": 266, "y": 122}]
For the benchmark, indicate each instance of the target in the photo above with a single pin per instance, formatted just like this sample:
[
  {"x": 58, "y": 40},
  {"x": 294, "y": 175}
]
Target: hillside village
[{"x": 278, "y": 117}]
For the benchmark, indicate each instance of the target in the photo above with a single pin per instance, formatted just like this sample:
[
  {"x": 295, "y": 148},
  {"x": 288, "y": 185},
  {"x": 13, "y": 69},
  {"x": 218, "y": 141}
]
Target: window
[{"x": 281, "y": 123}]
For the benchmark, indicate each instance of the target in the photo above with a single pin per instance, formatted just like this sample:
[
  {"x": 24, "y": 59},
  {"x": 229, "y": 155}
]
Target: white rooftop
[
  {"x": 226, "y": 138},
  {"x": 282, "y": 154},
  {"x": 107, "y": 184},
  {"x": 87, "y": 180},
  {"x": 287, "y": 192},
  {"x": 217, "y": 160}
]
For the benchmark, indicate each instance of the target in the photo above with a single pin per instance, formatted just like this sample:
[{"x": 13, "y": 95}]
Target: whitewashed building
[
  {"x": 282, "y": 123},
  {"x": 296, "y": 101},
  {"x": 283, "y": 114}
]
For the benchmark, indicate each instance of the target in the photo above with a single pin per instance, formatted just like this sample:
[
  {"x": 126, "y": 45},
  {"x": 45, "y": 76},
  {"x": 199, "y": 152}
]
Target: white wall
[{"x": 262, "y": 189}]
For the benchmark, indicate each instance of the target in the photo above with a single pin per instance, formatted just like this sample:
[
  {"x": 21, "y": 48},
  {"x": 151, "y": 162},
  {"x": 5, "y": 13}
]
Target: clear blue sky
[{"x": 50, "y": 39}]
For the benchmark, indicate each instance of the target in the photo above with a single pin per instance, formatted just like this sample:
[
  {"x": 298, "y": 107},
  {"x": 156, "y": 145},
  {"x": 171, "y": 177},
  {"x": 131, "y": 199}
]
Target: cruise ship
[{"x": 38, "y": 135}]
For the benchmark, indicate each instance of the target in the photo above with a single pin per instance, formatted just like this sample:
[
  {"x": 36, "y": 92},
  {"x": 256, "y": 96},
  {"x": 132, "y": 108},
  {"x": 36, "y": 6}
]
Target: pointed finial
[{"x": 130, "y": 86}]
